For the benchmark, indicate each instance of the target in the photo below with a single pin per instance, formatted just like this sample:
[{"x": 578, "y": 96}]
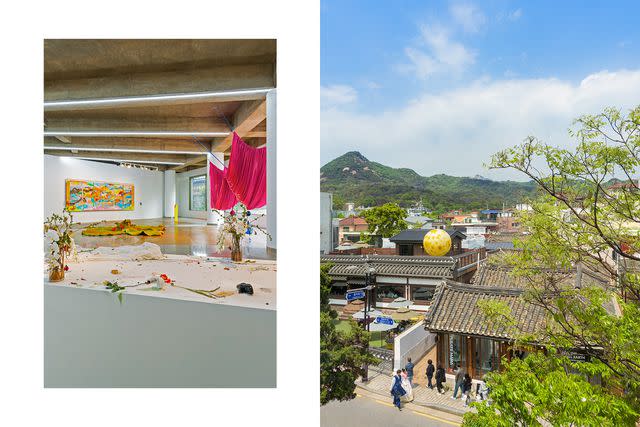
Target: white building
[{"x": 326, "y": 225}]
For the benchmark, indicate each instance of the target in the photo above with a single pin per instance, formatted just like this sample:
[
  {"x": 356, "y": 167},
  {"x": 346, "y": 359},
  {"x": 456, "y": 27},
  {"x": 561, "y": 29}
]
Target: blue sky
[{"x": 440, "y": 85}]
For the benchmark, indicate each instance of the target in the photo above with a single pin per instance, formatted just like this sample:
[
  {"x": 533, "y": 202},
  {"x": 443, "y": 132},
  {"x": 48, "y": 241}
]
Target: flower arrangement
[
  {"x": 236, "y": 226},
  {"x": 58, "y": 243}
]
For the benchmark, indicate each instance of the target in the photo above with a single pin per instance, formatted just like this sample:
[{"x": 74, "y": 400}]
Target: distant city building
[
  {"x": 490, "y": 214},
  {"x": 449, "y": 216},
  {"x": 419, "y": 221},
  {"x": 508, "y": 222},
  {"x": 409, "y": 242},
  {"x": 416, "y": 210},
  {"x": 349, "y": 206},
  {"x": 350, "y": 229}
]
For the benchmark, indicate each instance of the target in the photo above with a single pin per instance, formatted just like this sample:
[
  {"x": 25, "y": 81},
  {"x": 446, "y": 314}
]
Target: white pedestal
[{"x": 91, "y": 340}]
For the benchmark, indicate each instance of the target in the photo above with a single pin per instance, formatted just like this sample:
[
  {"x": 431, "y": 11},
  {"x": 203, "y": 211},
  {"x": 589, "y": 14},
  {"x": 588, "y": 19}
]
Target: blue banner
[{"x": 384, "y": 320}]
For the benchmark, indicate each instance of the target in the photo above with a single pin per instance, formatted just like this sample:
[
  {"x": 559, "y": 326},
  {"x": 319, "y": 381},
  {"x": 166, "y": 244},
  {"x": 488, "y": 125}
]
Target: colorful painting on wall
[{"x": 85, "y": 196}]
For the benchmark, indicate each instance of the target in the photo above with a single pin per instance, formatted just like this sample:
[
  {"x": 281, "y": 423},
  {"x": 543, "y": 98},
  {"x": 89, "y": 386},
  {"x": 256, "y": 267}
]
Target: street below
[{"x": 373, "y": 410}]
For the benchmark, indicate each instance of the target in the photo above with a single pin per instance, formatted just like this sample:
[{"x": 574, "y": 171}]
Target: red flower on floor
[
  {"x": 165, "y": 278},
  {"x": 66, "y": 268}
]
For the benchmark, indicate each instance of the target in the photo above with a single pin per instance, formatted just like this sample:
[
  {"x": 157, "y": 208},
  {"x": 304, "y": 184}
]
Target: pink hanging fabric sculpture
[
  {"x": 222, "y": 197},
  {"x": 247, "y": 173}
]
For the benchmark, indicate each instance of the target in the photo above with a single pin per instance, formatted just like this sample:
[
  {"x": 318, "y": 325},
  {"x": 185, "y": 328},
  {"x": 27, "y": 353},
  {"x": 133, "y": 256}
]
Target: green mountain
[{"x": 352, "y": 177}]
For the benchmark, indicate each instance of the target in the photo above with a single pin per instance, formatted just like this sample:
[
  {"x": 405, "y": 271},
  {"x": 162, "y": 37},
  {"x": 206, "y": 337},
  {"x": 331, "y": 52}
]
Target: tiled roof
[
  {"x": 455, "y": 310},
  {"x": 352, "y": 220},
  {"x": 416, "y": 235},
  {"x": 391, "y": 265},
  {"x": 498, "y": 276}
]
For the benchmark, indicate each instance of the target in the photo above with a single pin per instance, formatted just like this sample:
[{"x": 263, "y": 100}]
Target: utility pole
[{"x": 369, "y": 280}]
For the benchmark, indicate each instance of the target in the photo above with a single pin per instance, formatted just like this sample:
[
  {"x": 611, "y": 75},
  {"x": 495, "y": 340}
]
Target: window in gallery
[{"x": 198, "y": 193}]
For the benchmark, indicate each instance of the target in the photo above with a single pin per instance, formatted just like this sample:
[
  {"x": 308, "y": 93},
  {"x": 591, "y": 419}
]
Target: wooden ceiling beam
[
  {"x": 191, "y": 162},
  {"x": 247, "y": 117}
]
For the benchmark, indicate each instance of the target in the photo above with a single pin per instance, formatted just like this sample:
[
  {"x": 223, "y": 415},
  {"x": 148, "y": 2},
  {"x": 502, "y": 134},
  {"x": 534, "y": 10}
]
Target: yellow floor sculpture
[{"x": 125, "y": 227}]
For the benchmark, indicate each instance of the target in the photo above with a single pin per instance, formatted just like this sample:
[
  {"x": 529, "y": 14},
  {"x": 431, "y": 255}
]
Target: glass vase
[{"x": 56, "y": 274}]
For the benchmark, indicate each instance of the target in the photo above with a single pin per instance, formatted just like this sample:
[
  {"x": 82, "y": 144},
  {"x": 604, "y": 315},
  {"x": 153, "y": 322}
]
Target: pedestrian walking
[
  {"x": 459, "y": 380},
  {"x": 430, "y": 370},
  {"x": 440, "y": 378},
  {"x": 409, "y": 368},
  {"x": 406, "y": 385},
  {"x": 466, "y": 389},
  {"x": 482, "y": 390},
  {"x": 396, "y": 389}
]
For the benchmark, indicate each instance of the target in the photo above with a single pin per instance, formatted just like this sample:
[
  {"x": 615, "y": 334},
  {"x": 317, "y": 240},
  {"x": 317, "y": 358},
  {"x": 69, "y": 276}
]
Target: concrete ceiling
[{"x": 110, "y": 70}]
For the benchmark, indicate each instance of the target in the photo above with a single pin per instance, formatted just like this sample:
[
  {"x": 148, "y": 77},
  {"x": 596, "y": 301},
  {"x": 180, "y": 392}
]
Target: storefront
[
  {"x": 477, "y": 355},
  {"x": 466, "y": 338}
]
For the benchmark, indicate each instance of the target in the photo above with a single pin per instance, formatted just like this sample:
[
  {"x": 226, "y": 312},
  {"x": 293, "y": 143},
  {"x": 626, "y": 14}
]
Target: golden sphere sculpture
[{"x": 436, "y": 243}]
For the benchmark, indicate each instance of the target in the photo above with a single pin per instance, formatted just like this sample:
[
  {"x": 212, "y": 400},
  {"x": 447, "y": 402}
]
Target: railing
[
  {"x": 385, "y": 357},
  {"x": 470, "y": 257}
]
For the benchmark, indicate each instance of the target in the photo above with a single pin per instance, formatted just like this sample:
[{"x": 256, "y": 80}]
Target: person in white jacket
[{"x": 406, "y": 385}]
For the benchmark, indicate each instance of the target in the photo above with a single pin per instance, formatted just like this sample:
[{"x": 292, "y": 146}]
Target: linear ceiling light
[
  {"x": 122, "y": 150},
  {"x": 128, "y": 133},
  {"x": 151, "y": 162},
  {"x": 244, "y": 94}
]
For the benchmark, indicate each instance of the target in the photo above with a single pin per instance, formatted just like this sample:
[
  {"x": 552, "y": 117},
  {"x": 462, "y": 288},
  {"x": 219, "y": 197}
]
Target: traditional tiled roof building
[
  {"x": 467, "y": 338},
  {"x": 412, "y": 277}
]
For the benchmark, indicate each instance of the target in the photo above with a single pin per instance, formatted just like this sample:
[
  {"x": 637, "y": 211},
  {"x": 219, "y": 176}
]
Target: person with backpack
[
  {"x": 466, "y": 389},
  {"x": 440, "y": 378},
  {"x": 430, "y": 370}
]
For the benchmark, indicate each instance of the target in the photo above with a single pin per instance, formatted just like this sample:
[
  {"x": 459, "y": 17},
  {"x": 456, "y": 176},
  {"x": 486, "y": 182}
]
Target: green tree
[
  {"x": 579, "y": 220},
  {"x": 386, "y": 220},
  {"x": 342, "y": 354},
  {"x": 338, "y": 202}
]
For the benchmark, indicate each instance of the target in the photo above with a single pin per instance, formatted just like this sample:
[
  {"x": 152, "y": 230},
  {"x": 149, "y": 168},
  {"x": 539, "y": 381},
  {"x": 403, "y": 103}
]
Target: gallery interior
[{"x": 160, "y": 207}]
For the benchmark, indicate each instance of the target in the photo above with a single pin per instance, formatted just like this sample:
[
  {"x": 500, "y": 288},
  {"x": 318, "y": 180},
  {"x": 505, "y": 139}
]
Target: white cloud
[
  {"x": 510, "y": 16},
  {"x": 469, "y": 17},
  {"x": 455, "y": 132},
  {"x": 515, "y": 15},
  {"x": 442, "y": 54},
  {"x": 333, "y": 95}
]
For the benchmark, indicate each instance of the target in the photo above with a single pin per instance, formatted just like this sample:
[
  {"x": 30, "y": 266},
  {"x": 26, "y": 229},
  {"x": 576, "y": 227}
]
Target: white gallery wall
[
  {"x": 148, "y": 188},
  {"x": 182, "y": 196}
]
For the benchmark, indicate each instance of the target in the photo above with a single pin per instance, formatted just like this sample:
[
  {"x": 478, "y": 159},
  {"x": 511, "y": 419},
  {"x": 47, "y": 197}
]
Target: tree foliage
[
  {"x": 539, "y": 388},
  {"x": 583, "y": 223},
  {"x": 342, "y": 354},
  {"x": 386, "y": 220}
]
